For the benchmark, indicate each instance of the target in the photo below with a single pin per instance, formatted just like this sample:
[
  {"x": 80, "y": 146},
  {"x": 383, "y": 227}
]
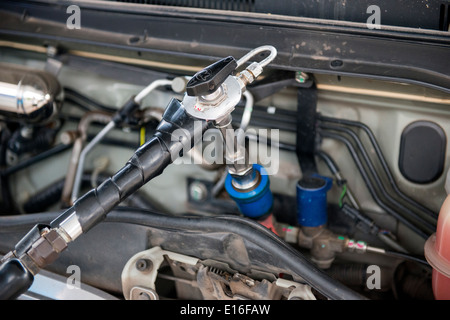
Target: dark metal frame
[{"x": 166, "y": 34}]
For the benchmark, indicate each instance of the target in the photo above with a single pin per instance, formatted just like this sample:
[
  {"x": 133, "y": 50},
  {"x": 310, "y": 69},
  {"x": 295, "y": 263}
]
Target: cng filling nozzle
[{"x": 211, "y": 96}]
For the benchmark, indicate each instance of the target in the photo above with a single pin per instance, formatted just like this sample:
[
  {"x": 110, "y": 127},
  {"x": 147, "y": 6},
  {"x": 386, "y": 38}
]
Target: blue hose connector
[
  {"x": 256, "y": 202},
  {"x": 312, "y": 200}
]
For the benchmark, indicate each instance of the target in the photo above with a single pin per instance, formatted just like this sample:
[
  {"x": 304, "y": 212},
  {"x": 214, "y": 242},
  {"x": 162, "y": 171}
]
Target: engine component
[
  {"x": 323, "y": 244},
  {"x": 122, "y": 116},
  {"x": 215, "y": 225},
  {"x": 382, "y": 159},
  {"x": 208, "y": 281},
  {"x": 28, "y": 95},
  {"x": 312, "y": 200},
  {"x": 256, "y": 201},
  {"x": 212, "y": 94},
  {"x": 77, "y": 150},
  {"x": 148, "y": 162},
  {"x": 141, "y": 270},
  {"x": 177, "y": 132},
  {"x": 31, "y": 139}
]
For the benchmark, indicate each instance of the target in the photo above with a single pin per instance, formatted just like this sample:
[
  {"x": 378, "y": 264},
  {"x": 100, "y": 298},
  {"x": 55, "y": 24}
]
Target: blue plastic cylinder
[
  {"x": 256, "y": 202},
  {"x": 312, "y": 200}
]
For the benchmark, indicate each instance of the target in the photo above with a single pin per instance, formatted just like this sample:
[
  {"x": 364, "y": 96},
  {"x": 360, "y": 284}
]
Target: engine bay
[{"x": 163, "y": 152}]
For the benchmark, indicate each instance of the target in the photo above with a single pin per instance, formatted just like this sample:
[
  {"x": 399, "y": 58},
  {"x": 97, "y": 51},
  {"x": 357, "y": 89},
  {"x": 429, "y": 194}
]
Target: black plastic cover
[
  {"x": 422, "y": 152},
  {"x": 15, "y": 279},
  {"x": 209, "y": 79}
]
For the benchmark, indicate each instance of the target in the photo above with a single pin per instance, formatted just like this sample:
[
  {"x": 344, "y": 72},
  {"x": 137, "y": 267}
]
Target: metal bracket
[{"x": 138, "y": 279}]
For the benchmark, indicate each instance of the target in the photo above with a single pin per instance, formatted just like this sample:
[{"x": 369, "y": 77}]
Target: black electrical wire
[
  {"x": 59, "y": 149},
  {"x": 84, "y": 101},
  {"x": 247, "y": 229},
  {"x": 358, "y": 216},
  {"x": 406, "y": 256},
  {"x": 331, "y": 164},
  {"x": 369, "y": 185},
  {"x": 383, "y": 161},
  {"x": 33, "y": 160},
  {"x": 398, "y": 255},
  {"x": 431, "y": 227}
]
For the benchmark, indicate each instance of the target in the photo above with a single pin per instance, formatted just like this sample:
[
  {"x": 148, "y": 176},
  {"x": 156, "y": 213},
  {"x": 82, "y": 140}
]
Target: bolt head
[{"x": 144, "y": 265}]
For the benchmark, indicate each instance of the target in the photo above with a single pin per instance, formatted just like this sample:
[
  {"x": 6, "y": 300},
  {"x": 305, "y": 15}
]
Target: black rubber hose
[
  {"x": 30, "y": 161},
  {"x": 378, "y": 182},
  {"x": 82, "y": 100},
  {"x": 41, "y": 140},
  {"x": 15, "y": 279},
  {"x": 369, "y": 185},
  {"x": 250, "y": 230},
  {"x": 51, "y": 195},
  {"x": 350, "y": 274},
  {"x": 383, "y": 161},
  {"x": 331, "y": 164},
  {"x": 256, "y": 233},
  {"x": 358, "y": 216},
  {"x": 408, "y": 257},
  {"x": 176, "y": 133}
]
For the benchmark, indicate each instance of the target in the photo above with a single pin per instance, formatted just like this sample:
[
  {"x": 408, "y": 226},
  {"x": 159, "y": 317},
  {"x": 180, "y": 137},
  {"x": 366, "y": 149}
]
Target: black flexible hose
[
  {"x": 248, "y": 229},
  {"x": 331, "y": 164},
  {"x": 51, "y": 195},
  {"x": 358, "y": 216},
  {"x": 378, "y": 182},
  {"x": 14, "y": 277},
  {"x": 177, "y": 132},
  {"x": 30, "y": 161},
  {"x": 369, "y": 185},
  {"x": 383, "y": 161},
  {"x": 408, "y": 257},
  {"x": 82, "y": 100}
]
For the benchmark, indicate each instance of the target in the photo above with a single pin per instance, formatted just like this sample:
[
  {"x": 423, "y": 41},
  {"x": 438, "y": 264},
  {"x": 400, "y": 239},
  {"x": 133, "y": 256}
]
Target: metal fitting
[
  {"x": 250, "y": 74},
  {"x": 198, "y": 191},
  {"x": 70, "y": 228},
  {"x": 356, "y": 246},
  {"x": 216, "y": 105},
  {"x": 245, "y": 180},
  {"x": 45, "y": 250},
  {"x": 144, "y": 265},
  {"x": 323, "y": 244}
]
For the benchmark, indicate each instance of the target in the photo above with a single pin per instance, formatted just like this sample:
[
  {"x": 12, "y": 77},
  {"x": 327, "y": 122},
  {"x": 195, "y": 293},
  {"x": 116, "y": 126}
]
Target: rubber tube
[
  {"x": 383, "y": 161},
  {"x": 369, "y": 183},
  {"x": 176, "y": 132},
  {"x": 377, "y": 179},
  {"x": 252, "y": 231},
  {"x": 15, "y": 279},
  {"x": 51, "y": 194}
]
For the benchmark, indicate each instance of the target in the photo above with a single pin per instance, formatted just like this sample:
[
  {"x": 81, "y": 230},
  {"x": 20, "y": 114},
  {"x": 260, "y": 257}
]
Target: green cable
[{"x": 344, "y": 191}]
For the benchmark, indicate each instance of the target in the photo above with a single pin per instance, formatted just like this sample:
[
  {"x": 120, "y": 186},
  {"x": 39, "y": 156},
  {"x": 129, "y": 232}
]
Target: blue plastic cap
[
  {"x": 312, "y": 200},
  {"x": 254, "y": 203}
]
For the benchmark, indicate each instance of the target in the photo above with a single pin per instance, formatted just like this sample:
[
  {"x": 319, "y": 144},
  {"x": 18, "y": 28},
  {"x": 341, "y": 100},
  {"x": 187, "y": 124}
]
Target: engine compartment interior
[{"x": 357, "y": 161}]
